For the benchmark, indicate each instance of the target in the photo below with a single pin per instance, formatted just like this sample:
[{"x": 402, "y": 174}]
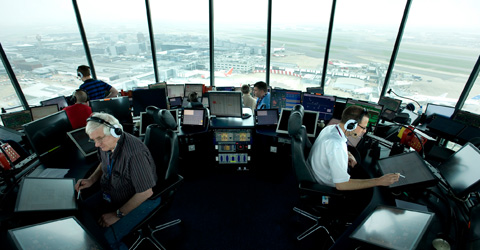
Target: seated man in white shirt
[{"x": 330, "y": 159}]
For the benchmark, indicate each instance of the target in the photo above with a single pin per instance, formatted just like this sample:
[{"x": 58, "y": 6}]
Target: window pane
[
  {"x": 181, "y": 40},
  {"x": 240, "y": 37},
  {"x": 437, "y": 53},
  {"x": 117, "y": 33},
  {"x": 362, "y": 43},
  {"x": 298, "y": 43},
  {"x": 8, "y": 97},
  {"x": 43, "y": 46},
  {"x": 472, "y": 103}
]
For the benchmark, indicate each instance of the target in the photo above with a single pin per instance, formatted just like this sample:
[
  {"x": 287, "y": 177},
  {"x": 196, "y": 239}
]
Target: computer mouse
[{"x": 440, "y": 244}]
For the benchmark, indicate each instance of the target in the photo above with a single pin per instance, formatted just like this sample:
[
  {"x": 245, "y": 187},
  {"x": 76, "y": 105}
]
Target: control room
[{"x": 249, "y": 125}]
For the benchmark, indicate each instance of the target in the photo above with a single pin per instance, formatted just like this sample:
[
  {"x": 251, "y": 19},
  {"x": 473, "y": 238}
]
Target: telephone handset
[{"x": 8, "y": 156}]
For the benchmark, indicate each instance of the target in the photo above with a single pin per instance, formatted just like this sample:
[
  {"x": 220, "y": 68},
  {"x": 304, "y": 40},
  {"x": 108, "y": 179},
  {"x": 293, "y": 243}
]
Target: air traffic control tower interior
[{"x": 241, "y": 176}]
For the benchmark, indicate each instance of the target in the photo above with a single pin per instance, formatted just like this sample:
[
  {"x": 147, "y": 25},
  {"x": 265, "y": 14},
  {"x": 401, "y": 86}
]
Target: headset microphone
[{"x": 355, "y": 134}]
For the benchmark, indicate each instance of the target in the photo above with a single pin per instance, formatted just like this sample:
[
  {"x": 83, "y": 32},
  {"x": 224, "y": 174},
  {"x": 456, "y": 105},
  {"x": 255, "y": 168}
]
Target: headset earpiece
[
  {"x": 351, "y": 125},
  {"x": 79, "y": 74},
  {"x": 115, "y": 130}
]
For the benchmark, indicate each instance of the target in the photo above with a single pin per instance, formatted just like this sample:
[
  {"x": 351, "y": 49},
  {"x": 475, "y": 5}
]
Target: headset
[
  {"x": 115, "y": 130},
  {"x": 74, "y": 98},
  {"x": 352, "y": 124},
  {"x": 79, "y": 74}
]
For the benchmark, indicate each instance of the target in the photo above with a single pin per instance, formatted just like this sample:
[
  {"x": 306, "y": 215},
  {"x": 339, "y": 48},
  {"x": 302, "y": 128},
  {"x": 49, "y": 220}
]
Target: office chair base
[
  {"x": 313, "y": 228},
  {"x": 149, "y": 235}
]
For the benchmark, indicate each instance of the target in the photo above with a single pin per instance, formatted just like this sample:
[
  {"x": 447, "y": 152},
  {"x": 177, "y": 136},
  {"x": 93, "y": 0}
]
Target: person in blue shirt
[
  {"x": 263, "y": 97},
  {"x": 96, "y": 89}
]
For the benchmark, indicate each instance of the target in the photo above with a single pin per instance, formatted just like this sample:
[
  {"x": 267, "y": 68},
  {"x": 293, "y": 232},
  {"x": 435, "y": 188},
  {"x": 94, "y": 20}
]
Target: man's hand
[
  {"x": 108, "y": 219},
  {"x": 388, "y": 179},
  {"x": 83, "y": 183}
]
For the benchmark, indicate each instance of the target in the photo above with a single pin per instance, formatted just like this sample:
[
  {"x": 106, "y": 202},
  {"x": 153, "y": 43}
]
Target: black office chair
[
  {"x": 311, "y": 192},
  {"x": 163, "y": 145}
]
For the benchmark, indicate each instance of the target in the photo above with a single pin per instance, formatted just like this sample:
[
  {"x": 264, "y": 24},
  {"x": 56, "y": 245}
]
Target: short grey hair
[{"x": 93, "y": 125}]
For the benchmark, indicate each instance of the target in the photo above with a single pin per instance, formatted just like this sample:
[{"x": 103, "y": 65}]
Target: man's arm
[
  {"x": 109, "y": 219},
  {"x": 85, "y": 183},
  {"x": 356, "y": 184},
  {"x": 113, "y": 93}
]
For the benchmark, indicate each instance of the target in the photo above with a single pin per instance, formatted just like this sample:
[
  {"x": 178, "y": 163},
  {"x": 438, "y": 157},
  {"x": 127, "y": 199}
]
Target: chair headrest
[
  {"x": 295, "y": 120},
  {"x": 162, "y": 117}
]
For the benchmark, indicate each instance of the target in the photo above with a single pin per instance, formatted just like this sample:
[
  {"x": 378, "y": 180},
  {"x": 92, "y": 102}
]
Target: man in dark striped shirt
[
  {"x": 96, "y": 89},
  {"x": 126, "y": 174}
]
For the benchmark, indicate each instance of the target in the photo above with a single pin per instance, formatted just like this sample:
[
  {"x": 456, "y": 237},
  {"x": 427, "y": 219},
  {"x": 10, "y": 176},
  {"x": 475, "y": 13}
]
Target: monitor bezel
[
  {"x": 70, "y": 135},
  {"x": 8, "y": 115},
  {"x": 282, "y": 113},
  {"x": 43, "y": 107},
  {"x": 204, "y": 121},
  {"x": 322, "y": 97},
  {"x": 274, "y": 91}
]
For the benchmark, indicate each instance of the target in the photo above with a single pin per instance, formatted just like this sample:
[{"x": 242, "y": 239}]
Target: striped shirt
[
  {"x": 132, "y": 171},
  {"x": 96, "y": 89}
]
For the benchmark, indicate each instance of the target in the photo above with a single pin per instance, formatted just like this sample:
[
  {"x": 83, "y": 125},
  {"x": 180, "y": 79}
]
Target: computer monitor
[
  {"x": 205, "y": 101},
  {"x": 324, "y": 105},
  {"x": 224, "y": 88},
  {"x": 193, "y": 87},
  {"x": 60, "y": 100},
  {"x": 146, "y": 119},
  {"x": 82, "y": 141},
  {"x": 467, "y": 118},
  {"x": 441, "y": 110},
  {"x": 175, "y": 90},
  {"x": 48, "y": 133},
  {"x": 15, "y": 120},
  {"x": 159, "y": 85},
  {"x": 461, "y": 170},
  {"x": 390, "y": 103},
  {"x": 46, "y": 194},
  {"x": 310, "y": 119},
  {"x": 42, "y": 111},
  {"x": 282, "y": 98},
  {"x": 374, "y": 110},
  {"x": 266, "y": 117},
  {"x": 175, "y": 101},
  {"x": 193, "y": 117},
  {"x": 315, "y": 90},
  {"x": 225, "y": 103},
  {"x": 142, "y": 98},
  {"x": 119, "y": 107},
  {"x": 393, "y": 228}
]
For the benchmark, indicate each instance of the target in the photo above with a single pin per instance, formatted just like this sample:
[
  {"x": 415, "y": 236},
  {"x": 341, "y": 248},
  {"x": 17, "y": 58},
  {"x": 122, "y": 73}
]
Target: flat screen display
[
  {"x": 374, "y": 110},
  {"x": 61, "y": 101},
  {"x": 193, "y": 87},
  {"x": 48, "y": 133},
  {"x": 441, "y": 110},
  {"x": 281, "y": 98},
  {"x": 393, "y": 228},
  {"x": 15, "y": 120},
  {"x": 142, "y": 98},
  {"x": 324, "y": 105},
  {"x": 82, "y": 141},
  {"x": 118, "y": 107},
  {"x": 267, "y": 117},
  {"x": 462, "y": 170},
  {"x": 390, "y": 103},
  {"x": 225, "y": 103},
  {"x": 193, "y": 117},
  {"x": 310, "y": 119},
  {"x": 42, "y": 111},
  {"x": 175, "y": 90}
]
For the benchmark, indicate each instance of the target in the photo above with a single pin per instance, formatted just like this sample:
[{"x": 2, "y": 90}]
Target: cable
[{"x": 420, "y": 106}]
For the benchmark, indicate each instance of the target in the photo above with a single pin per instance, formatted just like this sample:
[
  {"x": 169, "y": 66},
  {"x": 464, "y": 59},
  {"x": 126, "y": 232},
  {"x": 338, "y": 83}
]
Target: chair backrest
[
  {"x": 300, "y": 146},
  {"x": 162, "y": 142}
]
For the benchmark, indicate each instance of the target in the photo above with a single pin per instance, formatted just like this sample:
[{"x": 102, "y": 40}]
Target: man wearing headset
[
  {"x": 126, "y": 174},
  {"x": 330, "y": 159},
  {"x": 96, "y": 89},
  {"x": 80, "y": 111},
  {"x": 260, "y": 90}
]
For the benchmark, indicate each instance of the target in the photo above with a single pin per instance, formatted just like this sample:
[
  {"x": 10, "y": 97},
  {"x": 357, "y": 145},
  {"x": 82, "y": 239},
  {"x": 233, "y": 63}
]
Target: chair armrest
[
  {"x": 318, "y": 189},
  {"x": 167, "y": 187}
]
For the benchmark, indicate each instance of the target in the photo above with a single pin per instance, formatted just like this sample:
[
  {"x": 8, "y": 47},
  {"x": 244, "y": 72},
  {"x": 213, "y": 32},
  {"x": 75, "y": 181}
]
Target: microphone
[
  {"x": 420, "y": 106},
  {"x": 355, "y": 134}
]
